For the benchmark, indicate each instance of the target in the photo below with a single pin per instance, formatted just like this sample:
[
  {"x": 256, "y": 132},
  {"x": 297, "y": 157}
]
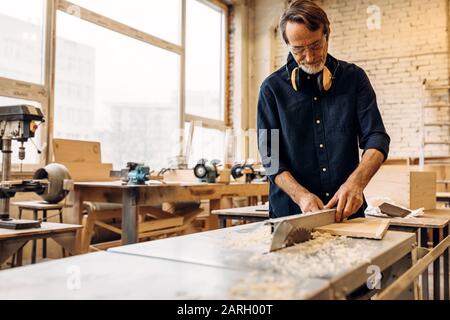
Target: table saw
[{"x": 231, "y": 263}]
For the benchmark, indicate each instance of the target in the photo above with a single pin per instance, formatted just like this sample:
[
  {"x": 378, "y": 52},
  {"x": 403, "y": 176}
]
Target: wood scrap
[{"x": 358, "y": 228}]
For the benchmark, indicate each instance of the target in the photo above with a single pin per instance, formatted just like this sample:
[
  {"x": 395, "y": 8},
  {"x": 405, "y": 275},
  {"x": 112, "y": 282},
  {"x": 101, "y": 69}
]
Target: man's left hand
[{"x": 349, "y": 199}]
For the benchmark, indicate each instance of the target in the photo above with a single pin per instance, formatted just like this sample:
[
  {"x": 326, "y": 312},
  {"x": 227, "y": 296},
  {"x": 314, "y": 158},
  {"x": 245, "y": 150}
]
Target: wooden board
[
  {"x": 420, "y": 222},
  {"x": 77, "y": 151},
  {"x": 422, "y": 190},
  {"x": 408, "y": 188},
  {"x": 358, "y": 228},
  {"x": 178, "y": 175},
  {"x": 80, "y": 171}
]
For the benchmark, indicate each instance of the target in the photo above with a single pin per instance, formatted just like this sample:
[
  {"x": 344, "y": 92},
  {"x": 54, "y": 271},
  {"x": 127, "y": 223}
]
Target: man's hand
[
  {"x": 349, "y": 199},
  {"x": 309, "y": 202}
]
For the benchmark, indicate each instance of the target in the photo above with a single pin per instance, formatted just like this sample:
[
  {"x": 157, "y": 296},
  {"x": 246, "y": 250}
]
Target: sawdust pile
[
  {"x": 267, "y": 286},
  {"x": 282, "y": 274},
  {"x": 245, "y": 239}
]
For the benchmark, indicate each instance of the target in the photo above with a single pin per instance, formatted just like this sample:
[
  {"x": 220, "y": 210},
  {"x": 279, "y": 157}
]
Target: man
[{"x": 312, "y": 114}]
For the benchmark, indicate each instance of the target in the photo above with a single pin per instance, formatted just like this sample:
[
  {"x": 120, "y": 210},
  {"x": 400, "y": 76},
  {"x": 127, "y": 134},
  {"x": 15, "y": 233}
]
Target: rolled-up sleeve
[
  {"x": 372, "y": 133},
  {"x": 269, "y": 134}
]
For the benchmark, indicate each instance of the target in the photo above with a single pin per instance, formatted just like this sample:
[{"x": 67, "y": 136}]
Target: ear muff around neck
[
  {"x": 324, "y": 79},
  {"x": 294, "y": 76}
]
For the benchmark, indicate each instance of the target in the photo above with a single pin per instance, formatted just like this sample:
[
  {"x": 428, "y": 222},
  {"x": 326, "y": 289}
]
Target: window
[
  {"x": 119, "y": 68},
  {"x": 117, "y": 90},
  {"x": 31, "y": 149},
  {"x": 22, "y": 40},
  {"x": 206, "y": 144},
  {"x": 159, "y": 18},
  {"x": 205, "y": 60}
]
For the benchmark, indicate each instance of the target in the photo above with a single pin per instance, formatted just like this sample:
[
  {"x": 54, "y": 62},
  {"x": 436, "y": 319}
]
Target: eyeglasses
[{"x": 301, "y": 51}]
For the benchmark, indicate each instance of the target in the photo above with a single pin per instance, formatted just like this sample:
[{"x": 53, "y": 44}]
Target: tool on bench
[
  {"x": 247, "y": 168},
  {"x": 294, "y": 229},
  {"x": 290, "y": 230},
  {"x": 52, "y": 183},
  {"x": 134, "y": 174},
  {"x": 207, "y": 171}
]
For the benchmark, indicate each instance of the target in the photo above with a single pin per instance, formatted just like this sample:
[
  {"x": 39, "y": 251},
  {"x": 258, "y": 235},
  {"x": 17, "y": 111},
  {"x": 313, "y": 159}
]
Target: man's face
[{"x": 309, "y": 48}]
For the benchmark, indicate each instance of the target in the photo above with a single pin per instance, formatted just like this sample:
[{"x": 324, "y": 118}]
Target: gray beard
[{"x": 312, "y": 70}]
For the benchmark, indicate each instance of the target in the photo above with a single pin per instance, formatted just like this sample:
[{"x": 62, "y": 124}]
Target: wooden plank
[
  {"x": 180, "y": 175},
  {"x": 422, "y": 190},
  {"x": 116, "y": 26},
  {"x": 420, "y": 222},
  {"x": 49, "y": 80},
  {"x": 160, "y": 224},
  {"x": 22, "y": 90},
  {"x": 80, "y": 171},
  {"x": 205, "y": 122},
  {"x": 358, "y": 228},
  {"x": 77, "y": 151}
]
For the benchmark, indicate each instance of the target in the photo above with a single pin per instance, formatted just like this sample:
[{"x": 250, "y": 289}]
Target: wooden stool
[{"x": 37, "y": 206}]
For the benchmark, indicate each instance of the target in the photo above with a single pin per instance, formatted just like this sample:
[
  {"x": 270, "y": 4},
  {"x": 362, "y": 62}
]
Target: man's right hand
[{"x": 309, "y": 202}]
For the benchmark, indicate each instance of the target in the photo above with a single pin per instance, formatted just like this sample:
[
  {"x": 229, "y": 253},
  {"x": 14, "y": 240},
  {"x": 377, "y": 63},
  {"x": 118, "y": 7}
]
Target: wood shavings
[
  {"x": 267, "y": 286},
  {"x": 280, "y": 274},
  {"x": 243, "y": 239},
  {"x": 322, "y": 257}
]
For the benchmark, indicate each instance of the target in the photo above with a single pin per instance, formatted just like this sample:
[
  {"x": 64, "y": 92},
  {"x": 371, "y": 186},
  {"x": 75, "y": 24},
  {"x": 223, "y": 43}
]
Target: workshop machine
[
  {"x": 248, "y": 169},
  {"x": 207, "y": 171},
  {"x": 134, "y": 174},
  {"x": 287, "y": 231},
  {"x": 52, "y": 183}
]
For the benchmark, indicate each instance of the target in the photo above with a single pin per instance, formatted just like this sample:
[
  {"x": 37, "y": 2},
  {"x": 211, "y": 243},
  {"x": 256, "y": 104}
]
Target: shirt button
[
  {"x": 315, "y": 98},
  {"x": 318, "y": 121},
  {"x": 327, "y": 194},
  {"x": 321, "y": 146},
  {"x": 324, "y": 169},
  {"x": 308, "y": 77}
]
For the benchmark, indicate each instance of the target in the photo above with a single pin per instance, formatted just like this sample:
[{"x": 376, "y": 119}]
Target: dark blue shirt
[{"x": 319, "y": 132}]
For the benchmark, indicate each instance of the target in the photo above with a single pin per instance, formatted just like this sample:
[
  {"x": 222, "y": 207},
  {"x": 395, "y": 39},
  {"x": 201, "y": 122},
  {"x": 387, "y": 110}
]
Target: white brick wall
[{"x": 411, "y": 45}]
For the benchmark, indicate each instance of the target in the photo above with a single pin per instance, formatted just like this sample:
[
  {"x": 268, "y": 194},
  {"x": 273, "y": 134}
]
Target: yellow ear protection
[{"x": 324, "y": 79}]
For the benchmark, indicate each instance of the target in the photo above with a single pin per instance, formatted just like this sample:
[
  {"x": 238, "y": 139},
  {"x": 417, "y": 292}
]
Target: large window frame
[{"x": 44, "y": 94}]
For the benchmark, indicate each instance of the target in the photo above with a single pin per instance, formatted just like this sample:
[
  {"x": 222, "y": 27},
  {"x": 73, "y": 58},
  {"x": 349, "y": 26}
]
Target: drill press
[{"x": 17, "y": 123}]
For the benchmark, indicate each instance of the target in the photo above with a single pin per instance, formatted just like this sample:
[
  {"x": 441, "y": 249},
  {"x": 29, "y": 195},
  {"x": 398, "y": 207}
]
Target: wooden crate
[{"x": 404, "y": 185}]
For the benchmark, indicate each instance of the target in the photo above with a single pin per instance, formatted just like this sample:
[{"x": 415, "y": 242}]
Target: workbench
[
  {"x": 437, "y": 220},
  {"x": 210, "y": 248},
  {"x": 204, "y": 266},
  {"x": 12, "y": 241},
  {"x": 246, "y": 214},
  {"x": 132, "y": 196}
]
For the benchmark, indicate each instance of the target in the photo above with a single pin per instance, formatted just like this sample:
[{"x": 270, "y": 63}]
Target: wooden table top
[{"x": 46, "y": 227}]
